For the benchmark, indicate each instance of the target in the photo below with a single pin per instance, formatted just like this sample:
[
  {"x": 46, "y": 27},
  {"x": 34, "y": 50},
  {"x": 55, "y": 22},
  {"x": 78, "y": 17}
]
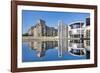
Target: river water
[{"x": 49, "y": 49}]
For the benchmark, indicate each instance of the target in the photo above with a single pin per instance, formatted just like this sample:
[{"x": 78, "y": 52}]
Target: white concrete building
[
  {"x": 63, "y": 38},
  {"x": 76, "y": 36}
]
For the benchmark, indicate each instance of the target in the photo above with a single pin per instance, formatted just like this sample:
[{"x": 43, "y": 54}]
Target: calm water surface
[{"x": 29, "y": 54}]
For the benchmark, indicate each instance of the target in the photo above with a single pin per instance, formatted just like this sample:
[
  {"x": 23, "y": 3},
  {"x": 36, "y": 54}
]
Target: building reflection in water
[{"x": 42, "y": 46}]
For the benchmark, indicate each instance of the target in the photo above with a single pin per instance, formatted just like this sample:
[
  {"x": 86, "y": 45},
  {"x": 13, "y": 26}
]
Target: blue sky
[{"x": 30, "y": 18}]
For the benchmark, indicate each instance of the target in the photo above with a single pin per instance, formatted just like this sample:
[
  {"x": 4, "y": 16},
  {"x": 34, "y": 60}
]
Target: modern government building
[{"x": 74, "y": 37}]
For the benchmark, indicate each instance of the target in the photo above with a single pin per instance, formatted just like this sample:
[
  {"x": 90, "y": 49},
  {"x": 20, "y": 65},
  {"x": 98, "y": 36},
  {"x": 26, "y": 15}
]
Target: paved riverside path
[
  {"x": 31, "y": 38},
  {"x": 44, "y": 38}
]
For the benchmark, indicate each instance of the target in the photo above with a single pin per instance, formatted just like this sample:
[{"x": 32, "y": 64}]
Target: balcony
[{"x": 76, "y": 31}]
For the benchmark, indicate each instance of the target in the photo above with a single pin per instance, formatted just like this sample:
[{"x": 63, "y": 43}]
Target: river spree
[{"x": 34, "y": 51}]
